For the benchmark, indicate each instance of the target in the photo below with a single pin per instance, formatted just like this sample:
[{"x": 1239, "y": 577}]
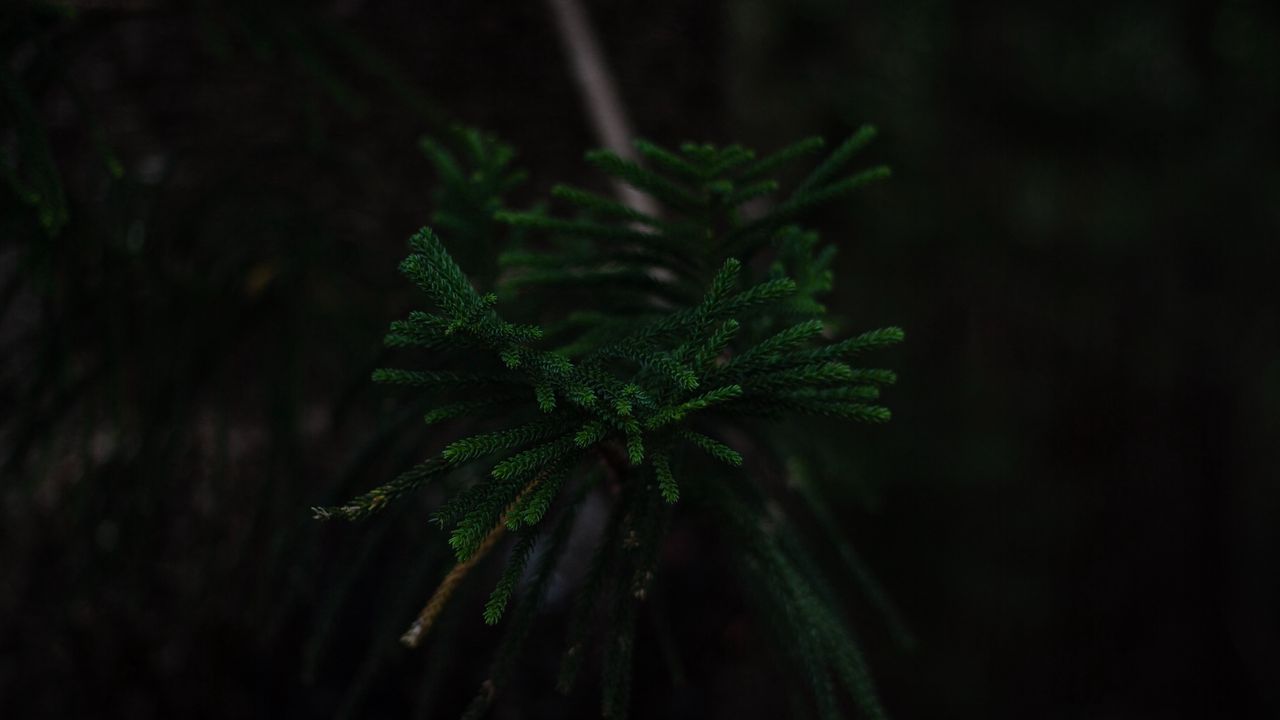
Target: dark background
[{"x": 1075, "y": 505}]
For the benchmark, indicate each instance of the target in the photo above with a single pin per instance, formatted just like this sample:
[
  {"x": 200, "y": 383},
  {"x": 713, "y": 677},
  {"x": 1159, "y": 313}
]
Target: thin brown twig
[{"x": 413, "y": 636}]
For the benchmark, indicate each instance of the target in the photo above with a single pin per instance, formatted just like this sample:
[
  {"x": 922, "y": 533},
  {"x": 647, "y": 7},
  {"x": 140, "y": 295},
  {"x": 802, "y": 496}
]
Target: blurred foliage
[{"x": 1075, "y": 508}]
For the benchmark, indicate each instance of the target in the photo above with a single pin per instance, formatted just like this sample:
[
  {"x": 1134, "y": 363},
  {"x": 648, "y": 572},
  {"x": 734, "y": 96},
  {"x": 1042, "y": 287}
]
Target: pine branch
[{"x": 613, "y": 338}]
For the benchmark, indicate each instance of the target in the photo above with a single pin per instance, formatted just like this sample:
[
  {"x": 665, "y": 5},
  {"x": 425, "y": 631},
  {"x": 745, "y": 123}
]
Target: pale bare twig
[{"x": 599, "y": 90}]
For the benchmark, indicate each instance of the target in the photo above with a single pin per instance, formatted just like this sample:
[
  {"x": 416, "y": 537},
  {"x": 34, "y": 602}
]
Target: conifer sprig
[{"x": 685, "y": 332}]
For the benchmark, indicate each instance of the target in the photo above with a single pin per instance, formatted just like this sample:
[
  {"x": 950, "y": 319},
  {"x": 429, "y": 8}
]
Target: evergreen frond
[
  {"x": 666, "y": 480},
  {"x": 530, "y": 509},
  {"x": 747, "y": 193},
  {"x": 618, "y": 333},
  {"x": 497, "y": 603},
  {"x": 378, "y": 498},
  {"x": 713, "y": 447},
  {"x": 603, "y": 207},
  {"x": 529, "y": 603},
  {"x": 671, "y": 193},
  {"x": 773, "y": 161},
  {"x": 530, "y": 461},
  {"x": 838, "y": 158},
  {"x": 669, "y": 161},
  {"x": 476, "y": 446}
]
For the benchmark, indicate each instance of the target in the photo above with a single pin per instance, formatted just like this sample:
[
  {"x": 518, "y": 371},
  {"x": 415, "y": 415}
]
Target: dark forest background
[{"x": 1075, "y": 506}]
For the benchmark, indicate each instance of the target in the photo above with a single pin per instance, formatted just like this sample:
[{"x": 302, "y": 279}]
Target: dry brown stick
[{"x": 413, "y": 636}]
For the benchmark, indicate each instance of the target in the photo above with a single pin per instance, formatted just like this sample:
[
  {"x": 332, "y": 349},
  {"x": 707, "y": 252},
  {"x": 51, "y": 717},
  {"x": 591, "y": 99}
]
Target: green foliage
[
  {"x": 626, "y": 339},
  {"x": 497, "y": 603}
]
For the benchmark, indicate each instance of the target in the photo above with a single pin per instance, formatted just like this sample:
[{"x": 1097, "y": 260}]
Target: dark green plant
[{"x": 656, "y": 359}]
